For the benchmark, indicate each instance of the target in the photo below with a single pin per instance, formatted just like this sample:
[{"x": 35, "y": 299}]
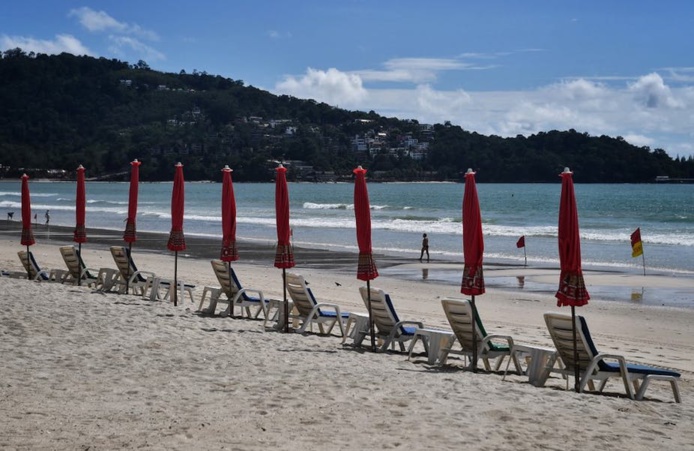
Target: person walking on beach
[
  {"x": 48, "y": 217},
  {"x": 425, "y": 247}
]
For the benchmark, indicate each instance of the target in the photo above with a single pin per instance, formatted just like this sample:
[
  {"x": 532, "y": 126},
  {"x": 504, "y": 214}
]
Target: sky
[{"x": 507, "y": 68}]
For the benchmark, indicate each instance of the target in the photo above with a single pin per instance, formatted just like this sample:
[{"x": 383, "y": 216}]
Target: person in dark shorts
[{"x": 425, "y": 247}]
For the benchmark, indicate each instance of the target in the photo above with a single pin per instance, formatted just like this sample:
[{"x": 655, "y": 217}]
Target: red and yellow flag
[{"x": 636, "y": 243}]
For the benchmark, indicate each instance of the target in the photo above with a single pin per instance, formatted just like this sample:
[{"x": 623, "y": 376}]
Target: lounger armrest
[
  {"x": 148, "y": 275},
  {"x": 489, "y": 338},
  {"x": 624, "y": 372},
  {"x": 408, "y": 323},
  {"x": 89, "y": 270},
  {"x": 243, "y": 291}
]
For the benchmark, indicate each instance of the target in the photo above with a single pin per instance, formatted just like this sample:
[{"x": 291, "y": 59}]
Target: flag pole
[
  {"x": 643, "y": 257},
  {"x": 525, "y": 256}
]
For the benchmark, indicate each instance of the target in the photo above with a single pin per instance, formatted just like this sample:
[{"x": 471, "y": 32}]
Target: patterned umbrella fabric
[
  {"x": 130, "y": 235},
  {"x": 229, "y": 252},
  {"x": 80, "y": 234}
]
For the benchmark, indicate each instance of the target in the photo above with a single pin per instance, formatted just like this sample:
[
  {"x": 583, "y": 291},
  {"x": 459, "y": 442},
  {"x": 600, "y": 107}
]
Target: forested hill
[{"x": 57, "y": 112}]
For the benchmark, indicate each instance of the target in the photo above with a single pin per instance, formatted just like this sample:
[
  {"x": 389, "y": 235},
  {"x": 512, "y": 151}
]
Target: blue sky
[{"x": 619, "y": 68}]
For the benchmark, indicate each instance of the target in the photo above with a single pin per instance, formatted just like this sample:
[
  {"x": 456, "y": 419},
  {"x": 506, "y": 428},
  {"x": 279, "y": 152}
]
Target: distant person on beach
[
  {"x": 36, "y": 218},
  {"x": 425, "y": 247},
  {"x": 48, "y": 217},
  {"x": 10, "y": 215}
]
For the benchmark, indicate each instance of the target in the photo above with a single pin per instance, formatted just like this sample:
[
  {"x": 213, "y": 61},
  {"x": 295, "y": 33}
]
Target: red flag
[
  {"x": 636, "y": 243},
  {"x": 366, "y": 267},
  {"x": 521, "y": 242},
  {"x": 229, "y": 251},
  {"x": 80, "y": 235}
]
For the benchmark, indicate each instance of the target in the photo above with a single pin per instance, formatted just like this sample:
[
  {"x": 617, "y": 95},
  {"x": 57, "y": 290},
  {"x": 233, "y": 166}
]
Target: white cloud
[
  {"x": 645, "y": 112},
  {"x": 100, "y": 21},
  {"x": 331, "y": 86},
  {"x": 119, "y": 43},
  {"x": 62, "y": 43},
  {"x": 415, "y": 70}
]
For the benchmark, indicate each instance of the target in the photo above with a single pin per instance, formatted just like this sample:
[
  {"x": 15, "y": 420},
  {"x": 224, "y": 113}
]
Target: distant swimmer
[
  {"x": 10, "y": 215},
  {"x": 425, "y": 247}
]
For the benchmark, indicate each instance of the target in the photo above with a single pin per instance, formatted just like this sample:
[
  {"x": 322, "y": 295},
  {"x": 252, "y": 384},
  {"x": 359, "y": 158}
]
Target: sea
[{"x": 322, "y": 216}]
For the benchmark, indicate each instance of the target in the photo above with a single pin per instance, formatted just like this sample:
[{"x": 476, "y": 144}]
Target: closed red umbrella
[
  {"x": 473, "y": 251},
  {"x": 284, "y": 257},
  {"x": 366, "y": 268},
  {"x": 229, "y": 252},
  {"x": 572, "y": 288},
  {"x": 130, "y": 234},
  {"x": 27, "y": 234},
  {"x": 80, "y": 234},
  {"x": 177, "y": 241}
]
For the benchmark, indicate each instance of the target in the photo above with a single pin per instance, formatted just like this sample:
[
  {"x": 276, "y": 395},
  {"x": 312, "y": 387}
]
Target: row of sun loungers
[{"x": 389, "y": 329}]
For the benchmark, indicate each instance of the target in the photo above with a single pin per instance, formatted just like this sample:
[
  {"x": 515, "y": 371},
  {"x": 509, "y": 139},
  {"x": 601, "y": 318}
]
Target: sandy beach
[{"x": 89, "y": 370}]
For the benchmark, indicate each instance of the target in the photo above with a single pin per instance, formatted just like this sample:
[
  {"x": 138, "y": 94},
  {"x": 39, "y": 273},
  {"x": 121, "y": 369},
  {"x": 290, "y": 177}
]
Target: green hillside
[{"x": 57, "y": 112}]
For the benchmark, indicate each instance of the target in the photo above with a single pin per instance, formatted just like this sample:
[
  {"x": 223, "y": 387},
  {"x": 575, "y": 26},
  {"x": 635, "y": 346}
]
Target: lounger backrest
[
  {"x": 72, "y": 262},
  {"x": 30, "y": 265},
  {"x": 301, "y": 295},
  {"x": 230, "y": 285},
  {"x": 125, "y": 263},
  {"x": 382, "y": 311},
  {"x": 459, "y": 315},
  {"x": 561, "y": 330}
]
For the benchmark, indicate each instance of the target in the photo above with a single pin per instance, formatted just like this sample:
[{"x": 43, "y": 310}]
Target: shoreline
[{"x": 653, "y": 290}]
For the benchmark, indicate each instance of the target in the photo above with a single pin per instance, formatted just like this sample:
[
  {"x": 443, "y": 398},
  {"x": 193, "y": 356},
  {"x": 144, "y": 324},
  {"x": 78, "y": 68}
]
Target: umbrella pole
[
  {"x": 28, "y": 265},
  {"x": 175, "y": 284},
  {"x": 286, "y": 303},
  {"x": 127, "y": 280},
  {"x": 371, "y": 323},
  {"x": 525, "y": 256},
  {"x": 231, "y": 303},
  {"x": 79, "y": 253},
  {"x": 577, "y": 370},
  {"x": 474, "y": 337}
]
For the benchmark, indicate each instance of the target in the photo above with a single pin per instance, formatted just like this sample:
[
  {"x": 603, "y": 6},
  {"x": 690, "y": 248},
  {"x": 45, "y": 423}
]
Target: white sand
[{"x": 84, "y": 370}]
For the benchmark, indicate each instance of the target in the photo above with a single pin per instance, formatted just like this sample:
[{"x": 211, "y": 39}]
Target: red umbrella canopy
[
  {"x": 27, "y": 234},
  {"x": 229, "y": 251},
  {"x": 572, "y": 288},
  {"x": 177, "y": 241},
  {"x": 130, "y": 235},
  {"x": 473, "y": 241},
  {"x": 80, "y": 235},
  {"x": 284, "y": 257},
  {"x": 366, "y": 269}
]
